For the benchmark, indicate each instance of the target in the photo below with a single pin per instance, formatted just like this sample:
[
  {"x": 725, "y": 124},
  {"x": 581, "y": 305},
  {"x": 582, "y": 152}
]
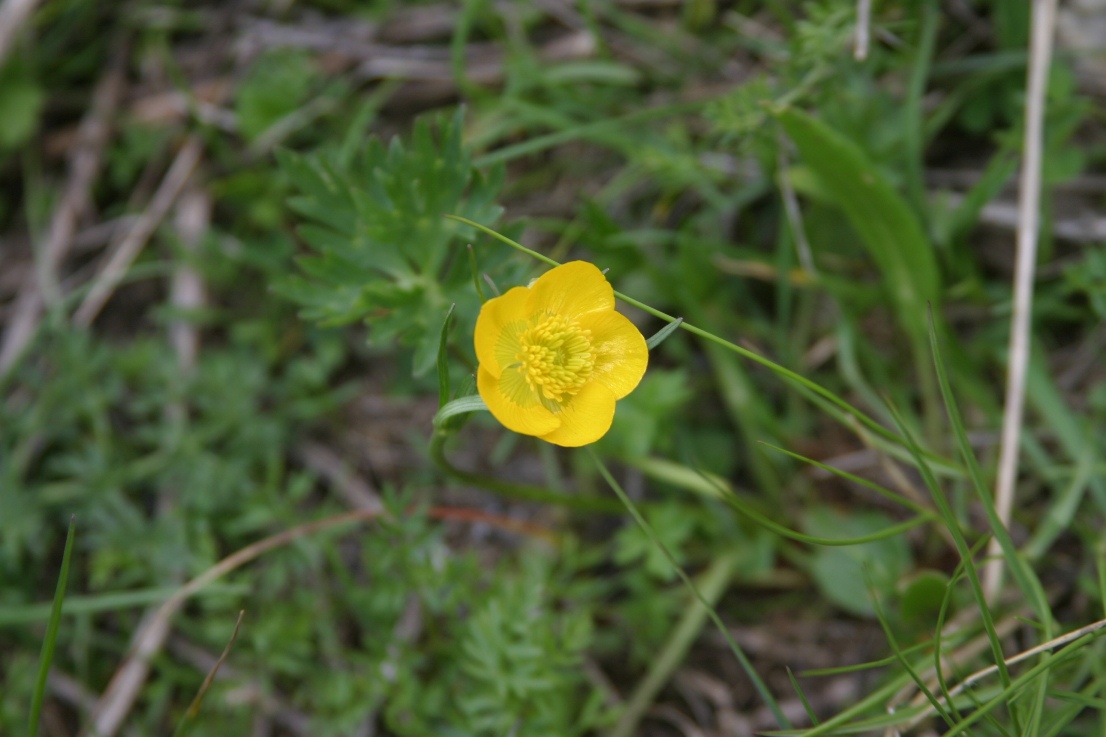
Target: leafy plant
[{"x": 382, "y": 252}]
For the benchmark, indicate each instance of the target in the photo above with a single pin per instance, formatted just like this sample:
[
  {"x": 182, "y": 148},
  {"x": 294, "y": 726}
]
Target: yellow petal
[
  {"x": 570, "y": 290},
  {"x": 586, "y": 418},
  {"x": 491, "y": 328},
  {"x": 619, "y": 350},
  {"x": 513, "y": 403}
]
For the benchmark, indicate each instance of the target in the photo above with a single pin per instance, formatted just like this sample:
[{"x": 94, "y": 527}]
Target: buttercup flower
[{"x": 555, "y": 356}]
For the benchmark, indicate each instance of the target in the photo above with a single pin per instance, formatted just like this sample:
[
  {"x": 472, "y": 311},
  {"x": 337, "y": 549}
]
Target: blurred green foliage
[{"x": 651, "y": 145}]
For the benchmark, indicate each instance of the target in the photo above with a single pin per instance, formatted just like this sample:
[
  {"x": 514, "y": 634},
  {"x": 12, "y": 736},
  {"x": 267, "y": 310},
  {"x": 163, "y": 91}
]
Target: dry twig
[
  {"x": 92, "y": 136},
  {"x": 979, "y": 675},
  {"x": 1040, "y": 54},
  {"x": 863, "y": 29},
  {"x": 124, "y": 253},
  {"x": 13, "y": 14}
]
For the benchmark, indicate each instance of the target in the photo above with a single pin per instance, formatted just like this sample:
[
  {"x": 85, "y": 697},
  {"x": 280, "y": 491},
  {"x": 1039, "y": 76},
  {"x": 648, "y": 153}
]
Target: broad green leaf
[
  {"x": 843, "y": 574},
  {"x": 886, "y": 224}
]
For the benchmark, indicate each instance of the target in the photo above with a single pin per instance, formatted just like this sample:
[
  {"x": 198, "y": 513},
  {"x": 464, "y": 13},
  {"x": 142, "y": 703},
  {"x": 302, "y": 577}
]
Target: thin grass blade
[{"x": 51, "y": 639}]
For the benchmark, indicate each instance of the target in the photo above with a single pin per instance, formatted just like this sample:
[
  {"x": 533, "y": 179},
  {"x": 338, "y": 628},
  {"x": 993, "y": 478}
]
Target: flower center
[{"x": 555, "y": 357}]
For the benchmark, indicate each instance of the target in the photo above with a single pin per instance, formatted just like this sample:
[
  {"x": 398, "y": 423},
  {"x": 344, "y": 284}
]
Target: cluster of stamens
[{"x": 555, "y": 357}]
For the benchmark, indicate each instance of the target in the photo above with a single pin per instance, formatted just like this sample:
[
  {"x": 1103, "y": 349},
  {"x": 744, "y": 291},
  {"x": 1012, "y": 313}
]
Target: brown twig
[
  {"x": 194, "y": 707},
  {"x": 921, "y": 701},
  {"x": 352, "y": 487},
  {"x": 122, "y": 690},
  {"x": 247, "y": 691},
  {"x": 123, "y": 254},
  {"x": 76, "y": 199}
]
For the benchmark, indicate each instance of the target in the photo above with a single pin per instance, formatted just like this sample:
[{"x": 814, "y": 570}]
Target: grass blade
[
  {"x": 1026, "y": 579},
  {"x": 758, "y": 684},
  {"x": 194, "y": 707},
  {"x": 51, "y": 639},
  {"x": 663, "y": 333},
  {"x": 885, "y": 223},
  {"x": 962, "y": 548},
  {"x": 711, "y": 584}
]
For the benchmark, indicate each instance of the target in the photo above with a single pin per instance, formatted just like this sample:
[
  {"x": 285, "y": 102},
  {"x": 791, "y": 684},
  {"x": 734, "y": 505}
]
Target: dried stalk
[{"x": 1040, "y": 54}]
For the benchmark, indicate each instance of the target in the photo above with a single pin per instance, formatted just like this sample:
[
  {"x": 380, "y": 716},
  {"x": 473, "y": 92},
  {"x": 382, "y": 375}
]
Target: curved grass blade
[
  {"x": 782, "y": 371},
  {"x": 802, "y": 697},
  {"x": 953, "y": 526},
  {"x": 51, "y": 639},
  {"x": 459, "y": 406},
  {"x": 885, "y": 493},
  {"x": 885, "y": 223},
  {"x": 758, "y": 684},
  {"x": 1026, "y": 579},
  {"x": 476, "y": 274},
  {"x": 901, "y": 657}
]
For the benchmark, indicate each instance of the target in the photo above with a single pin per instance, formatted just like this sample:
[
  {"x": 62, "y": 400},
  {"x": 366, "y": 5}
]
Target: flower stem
[
  {"x": 781, "y": 371},
  {"x": 525, "y": 492}
]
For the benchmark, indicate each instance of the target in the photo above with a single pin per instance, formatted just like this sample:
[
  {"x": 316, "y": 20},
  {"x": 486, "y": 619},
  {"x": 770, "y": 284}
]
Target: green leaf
[
  {"x": 659, "y": 337},
  {"x": 886, "y": 224},
  {"x": 842, "y": 573},
  {"x": 21, "y": 101},
  {"x": 921, "y": 595},
  {"x": 277, "y": 85},
  {"x": 443, "y": 360},
  {"x": 380, "y": 250}
]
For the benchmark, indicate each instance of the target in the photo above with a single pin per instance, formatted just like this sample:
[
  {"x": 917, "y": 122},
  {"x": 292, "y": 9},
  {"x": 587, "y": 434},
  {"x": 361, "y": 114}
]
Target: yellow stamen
[{"x": 555, "y": 357}]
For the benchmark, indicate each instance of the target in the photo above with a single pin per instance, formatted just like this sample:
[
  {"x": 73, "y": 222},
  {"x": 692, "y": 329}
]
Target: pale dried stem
[
  {"x": 186, "y": 292},
  {"x": 863, "y": 29},
  {"x": 118, "y": 698},
  {"x": 979, "y": 675},
  {"x": 186, "y": 289},
  {"x": 954, "y": 660},
  {"x": 349, "y": 485},
  {"x": 123, "y": 254},
  {"x": 13, "y": 14},
  {"x": 76, "y": 199},
  {"x": 794, "y": 214},
  {"x": 1029, "y": 198}
]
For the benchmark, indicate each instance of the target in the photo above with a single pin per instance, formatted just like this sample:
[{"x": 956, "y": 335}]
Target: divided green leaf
[{"x": 381, "y": 252}]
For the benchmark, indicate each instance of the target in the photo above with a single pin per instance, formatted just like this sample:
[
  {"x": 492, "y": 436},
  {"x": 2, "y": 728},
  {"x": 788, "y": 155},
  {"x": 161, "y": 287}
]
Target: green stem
[
  {"x": 758, "y": 683},
  {"x": 712, "y": 584},
  {"x": 525, "y": 492},
  {"x": 786, "y": 373}
]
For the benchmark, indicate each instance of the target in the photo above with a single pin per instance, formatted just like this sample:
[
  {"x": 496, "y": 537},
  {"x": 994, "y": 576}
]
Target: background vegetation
[{"x": 223, "y": 283}]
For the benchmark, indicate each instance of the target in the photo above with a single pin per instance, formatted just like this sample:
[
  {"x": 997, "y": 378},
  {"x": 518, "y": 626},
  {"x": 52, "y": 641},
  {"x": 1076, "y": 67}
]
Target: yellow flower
[{"x": 555, "y": 356}]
